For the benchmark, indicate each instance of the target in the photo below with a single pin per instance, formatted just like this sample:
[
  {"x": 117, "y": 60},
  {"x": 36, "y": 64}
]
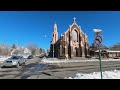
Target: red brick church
[{"x": 73, "y": 43}]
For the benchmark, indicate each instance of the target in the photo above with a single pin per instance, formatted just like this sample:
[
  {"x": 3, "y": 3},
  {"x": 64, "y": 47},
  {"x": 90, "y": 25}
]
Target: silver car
[{"x": 14, "y": 61}]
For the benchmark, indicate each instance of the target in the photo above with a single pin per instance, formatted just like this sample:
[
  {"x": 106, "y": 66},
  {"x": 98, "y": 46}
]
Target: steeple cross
[{"x": 74, "y": 19}]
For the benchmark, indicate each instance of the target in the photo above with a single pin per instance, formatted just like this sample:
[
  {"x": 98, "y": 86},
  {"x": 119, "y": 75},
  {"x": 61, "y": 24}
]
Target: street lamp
[{"x": 98, "y": 41}]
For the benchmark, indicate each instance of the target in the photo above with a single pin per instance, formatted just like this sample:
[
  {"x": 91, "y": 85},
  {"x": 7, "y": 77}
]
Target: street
[
  {"x": 62, "y": 70},
  {"x": 32, "y": 67},
  {"x": 35, "y": 69}
]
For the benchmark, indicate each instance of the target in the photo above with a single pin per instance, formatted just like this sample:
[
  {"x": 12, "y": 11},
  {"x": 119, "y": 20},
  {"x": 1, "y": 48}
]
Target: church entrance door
[{"x": 76, "y": 50}]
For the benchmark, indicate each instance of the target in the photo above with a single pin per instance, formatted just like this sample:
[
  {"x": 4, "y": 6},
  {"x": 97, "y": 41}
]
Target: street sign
[{"x": 98, "y": 40}]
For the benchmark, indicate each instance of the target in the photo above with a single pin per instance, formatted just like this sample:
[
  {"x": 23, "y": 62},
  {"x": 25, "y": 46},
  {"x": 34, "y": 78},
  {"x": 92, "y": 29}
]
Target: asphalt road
[
  {"x": 60, "y": 71},
  {"x": 32, "y": 67}
]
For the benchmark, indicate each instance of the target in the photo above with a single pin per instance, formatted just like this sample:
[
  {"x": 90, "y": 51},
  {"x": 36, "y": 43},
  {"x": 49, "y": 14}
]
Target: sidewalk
[{"x": 47, "y": 60}]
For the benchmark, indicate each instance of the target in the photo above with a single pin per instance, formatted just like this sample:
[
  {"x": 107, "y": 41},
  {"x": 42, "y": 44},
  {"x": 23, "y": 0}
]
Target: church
[{"x": 73, "y": 43}]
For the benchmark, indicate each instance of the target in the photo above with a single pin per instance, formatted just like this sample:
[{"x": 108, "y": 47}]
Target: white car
[{"x": 14, "y": 61}]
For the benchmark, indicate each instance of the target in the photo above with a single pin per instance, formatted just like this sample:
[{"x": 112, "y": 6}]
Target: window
[
  {"x": 14, "y": 57},
  {"x": 74, "y": 35},
  {"x": 67, "y": 39}
]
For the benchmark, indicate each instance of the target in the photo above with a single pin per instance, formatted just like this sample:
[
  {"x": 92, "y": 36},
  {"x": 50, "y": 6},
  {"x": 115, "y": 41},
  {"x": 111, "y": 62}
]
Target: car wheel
[
  {"x": 17, "y": 65},
  {"x": 2, "y": 66}
]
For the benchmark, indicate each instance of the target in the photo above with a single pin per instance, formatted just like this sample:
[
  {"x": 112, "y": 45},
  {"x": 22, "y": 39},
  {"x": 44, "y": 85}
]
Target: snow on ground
[
  {"x": 3, "y": 58},
  {"x": 113, "y": 74},
  {"x": 55, "y": 60}
]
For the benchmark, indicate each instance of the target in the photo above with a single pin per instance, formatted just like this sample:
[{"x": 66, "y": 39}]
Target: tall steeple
[
  {"x": 54, "y": 34},
  {"x": 55, "y": 27}
]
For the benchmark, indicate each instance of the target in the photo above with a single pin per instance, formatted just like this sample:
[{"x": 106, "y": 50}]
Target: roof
[
  {"x": 107, "y": 51},
  {"x": 113, "y": 51}
]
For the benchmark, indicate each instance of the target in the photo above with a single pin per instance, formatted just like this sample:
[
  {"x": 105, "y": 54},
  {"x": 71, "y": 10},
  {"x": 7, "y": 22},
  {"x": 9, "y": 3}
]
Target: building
[
  {"x": 25, "y": 52},
  {"x": 73, "y": 43},
  {"x": 107, "y": 54}
]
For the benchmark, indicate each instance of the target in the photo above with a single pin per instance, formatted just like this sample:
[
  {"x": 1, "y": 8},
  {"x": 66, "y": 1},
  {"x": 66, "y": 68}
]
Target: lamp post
[{"x": 98, "y": 41}]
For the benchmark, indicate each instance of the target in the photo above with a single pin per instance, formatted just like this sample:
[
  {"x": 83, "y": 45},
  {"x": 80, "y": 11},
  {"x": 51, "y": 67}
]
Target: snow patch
[
  {"x": 3, "y": 58},
  {"x": 113, "y": 74}
]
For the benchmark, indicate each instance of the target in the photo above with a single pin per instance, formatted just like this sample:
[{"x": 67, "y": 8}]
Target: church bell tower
[{"x": 54, "y": 34}]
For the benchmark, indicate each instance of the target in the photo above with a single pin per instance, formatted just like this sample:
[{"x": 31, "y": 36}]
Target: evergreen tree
[{"x": 14, "y": 46}]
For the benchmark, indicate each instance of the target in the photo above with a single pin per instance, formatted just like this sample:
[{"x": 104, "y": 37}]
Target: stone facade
[{"x": 73, "y": 43}]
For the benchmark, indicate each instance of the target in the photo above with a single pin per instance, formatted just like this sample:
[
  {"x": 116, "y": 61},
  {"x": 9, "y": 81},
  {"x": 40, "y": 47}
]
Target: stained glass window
[{"x": 74, "y": 35}]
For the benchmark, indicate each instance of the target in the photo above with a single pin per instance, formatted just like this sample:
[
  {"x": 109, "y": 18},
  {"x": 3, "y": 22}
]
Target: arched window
[{"x": 74, "y": 35}]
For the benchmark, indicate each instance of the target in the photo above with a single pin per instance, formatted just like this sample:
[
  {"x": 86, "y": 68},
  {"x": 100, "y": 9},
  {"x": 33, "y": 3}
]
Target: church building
[{"x": 73, "y": 43}]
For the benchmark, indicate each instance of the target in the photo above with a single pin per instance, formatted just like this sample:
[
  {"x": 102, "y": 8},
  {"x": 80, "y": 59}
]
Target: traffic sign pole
[
  {"x": 98, "y": 42},
  {"x": 100, "y": 60}
]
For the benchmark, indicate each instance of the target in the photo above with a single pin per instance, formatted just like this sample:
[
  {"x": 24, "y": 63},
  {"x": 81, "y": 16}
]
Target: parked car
[
  {"x": 30, "y": 57},
  {"x": 14, "y": 61},
  {"x": 116, "y": 57}
]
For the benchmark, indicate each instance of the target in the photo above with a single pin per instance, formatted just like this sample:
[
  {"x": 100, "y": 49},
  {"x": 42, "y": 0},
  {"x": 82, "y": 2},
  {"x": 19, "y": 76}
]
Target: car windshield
[{"x": 14, "y": 57}]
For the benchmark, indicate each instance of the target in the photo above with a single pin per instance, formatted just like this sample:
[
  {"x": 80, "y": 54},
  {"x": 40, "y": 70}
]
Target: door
[{"x": 76, "y": 49}]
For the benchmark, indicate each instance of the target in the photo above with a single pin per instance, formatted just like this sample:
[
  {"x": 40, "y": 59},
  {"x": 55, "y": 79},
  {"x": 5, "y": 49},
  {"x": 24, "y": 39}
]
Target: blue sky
[{"x": 24, "y": 27}]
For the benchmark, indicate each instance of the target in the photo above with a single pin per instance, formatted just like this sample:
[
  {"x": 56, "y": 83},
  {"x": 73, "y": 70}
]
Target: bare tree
[
  {"x": 48, "y": 50},
  {"x": 16, "y": 52},
  {"x": 14, "y": 46},
  {"x": 5, "y": 49},
  {"x": 115, "y": 47},
  {"x": 33, "y": 48},
  {"x": 40, "y": 50},
  {"x": 94, "y": 47},
  {"x": 43, "y": 50}
]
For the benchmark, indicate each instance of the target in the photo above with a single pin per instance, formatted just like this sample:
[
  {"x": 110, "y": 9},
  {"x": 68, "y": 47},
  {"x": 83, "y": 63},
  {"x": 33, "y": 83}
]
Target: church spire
[
  {"x": 74, "y": 20},
  {"x": 55, "y": 33},
  {"x": 55, "y": 27}
]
